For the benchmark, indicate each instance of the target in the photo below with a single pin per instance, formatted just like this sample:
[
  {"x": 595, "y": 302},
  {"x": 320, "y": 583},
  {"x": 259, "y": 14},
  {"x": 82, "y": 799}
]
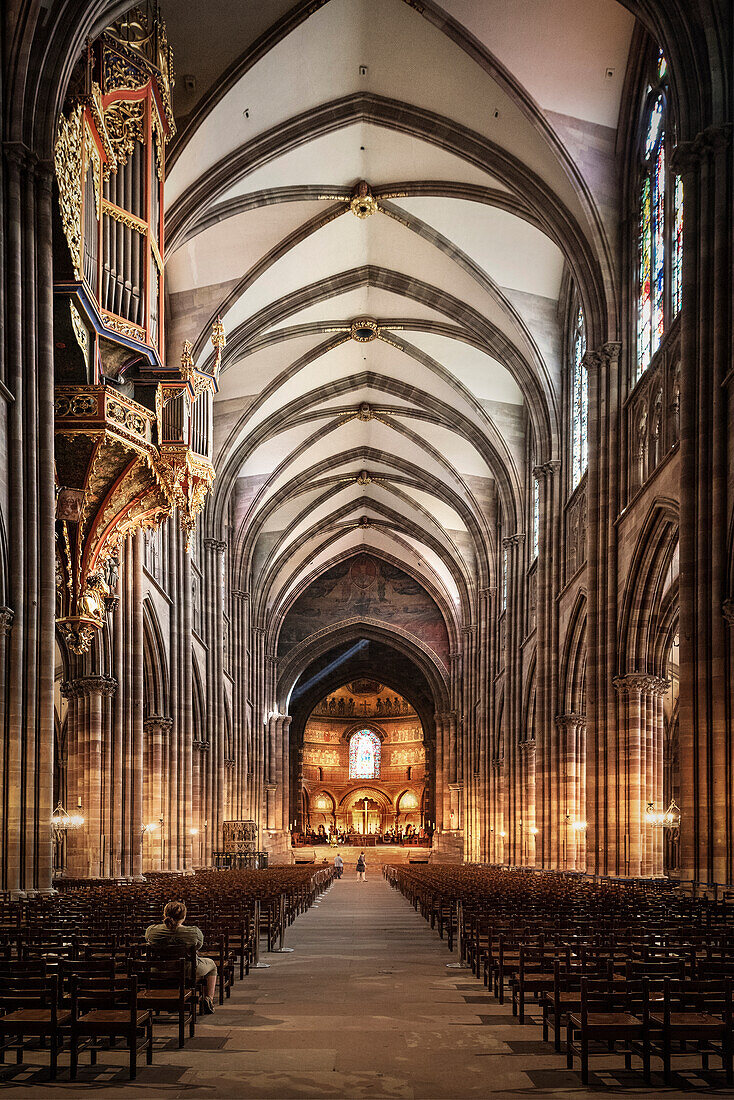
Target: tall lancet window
[
  {"x": 579, "y": 401},
  {"x": 364, "y": 755},
  {"x": 660, "y": 222},
  {"x": 536, "y": 516}
]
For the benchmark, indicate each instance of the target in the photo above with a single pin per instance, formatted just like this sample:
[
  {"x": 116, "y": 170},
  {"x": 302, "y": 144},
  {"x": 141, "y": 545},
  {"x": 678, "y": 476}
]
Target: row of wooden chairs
[
  {"x": 647, "y": 973},
  {"x": 72, "y": 979}
]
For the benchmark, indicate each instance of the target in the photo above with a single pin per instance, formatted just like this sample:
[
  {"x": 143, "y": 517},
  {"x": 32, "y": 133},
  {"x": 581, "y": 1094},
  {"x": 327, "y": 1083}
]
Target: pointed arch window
[
  {"x": 579, "y": 401},
  {"x": 660, "y": 223},
  {"x": 536, "y": 517},
  {"x": 364, "y": 755}
]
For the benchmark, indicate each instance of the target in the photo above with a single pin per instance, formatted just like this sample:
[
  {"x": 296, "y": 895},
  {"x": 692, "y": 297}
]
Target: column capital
[
  {"x": 200, "y": 746},
  {"x": 640, "y": 683},
  {"x": 570, "y": 720},
  {"x": 528, "y": 746},
  {"x": 688, "y": 155},
  {"x": 514, "y": 540},
  {"x": 727, "y": 610},
  {"x": 215, "y": 544},
  {"x": 157, "y": 723},
  {"x": 7, "y": 615},
  {"x": 89, "y": 685},
  {"x": 602, "y": 357},
  {"x": 546, "y": 469},
  {"x": 240, "y": 594}
]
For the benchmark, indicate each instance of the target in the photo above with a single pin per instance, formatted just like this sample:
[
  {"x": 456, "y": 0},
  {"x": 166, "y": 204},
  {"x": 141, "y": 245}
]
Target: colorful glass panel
[
  {"x": 662, "y": 65},
  {"x": 644, "y": 305},
  {"x": 504, "y": 579},
  {"x": 364, "y": 755},
  {"x": 658, "y": 251},
  {"x": 579, "y": 403},
  {"x": 677, "y": 265},
  {"x": 654, "y": 127}
]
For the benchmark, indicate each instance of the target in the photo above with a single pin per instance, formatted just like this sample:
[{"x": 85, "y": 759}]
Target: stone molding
[
  {"x": 157, "y": 722},
  {"x": 567, "y": 721},
  {"x": 6, "y": 620},
  {"x": 604, "y": 356},
  {"x": 89, "y": 685},
  {"x": 688, "y": 155},
  {"x": 640, "y": 683},
  {"x": 546, "y": 469}
]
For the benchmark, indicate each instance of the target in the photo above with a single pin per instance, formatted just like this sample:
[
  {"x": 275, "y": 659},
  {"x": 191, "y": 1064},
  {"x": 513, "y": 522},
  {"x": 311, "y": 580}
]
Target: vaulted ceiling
[{"x": 485, "y": 135}]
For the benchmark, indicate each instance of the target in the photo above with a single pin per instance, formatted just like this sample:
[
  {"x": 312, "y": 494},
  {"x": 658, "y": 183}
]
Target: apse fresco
[{"x": 366, "y": 587}]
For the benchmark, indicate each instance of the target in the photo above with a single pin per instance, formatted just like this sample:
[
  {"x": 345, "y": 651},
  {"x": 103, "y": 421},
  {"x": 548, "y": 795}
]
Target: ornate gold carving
[
  {"x": 80, "y": 330},
  {"x": 158, "y": 144},
  {"x": 125, "y": 121},
  {"x": 125, "y": 328},
  {"x": 93, "y": 103},
  {"x": 363, "y": 203},
  {"x": 364, "y": 330},
  {"x": 124, "y": 217},
  {"x": 75, "y": 404},
  {"x": 156, "y": 255},
  {"x": 93, "y": 156},
  {"x": 120, "y": 72},
  {"x": 68, "y": 165}
]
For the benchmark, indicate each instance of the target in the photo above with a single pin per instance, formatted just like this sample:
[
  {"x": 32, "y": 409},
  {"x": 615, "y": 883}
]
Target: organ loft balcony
[{"x": 133, "y": 436}]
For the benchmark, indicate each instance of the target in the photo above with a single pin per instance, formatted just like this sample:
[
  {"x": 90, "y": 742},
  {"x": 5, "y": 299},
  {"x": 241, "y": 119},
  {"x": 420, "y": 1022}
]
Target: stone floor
[{"x": 364, "y": 1007}]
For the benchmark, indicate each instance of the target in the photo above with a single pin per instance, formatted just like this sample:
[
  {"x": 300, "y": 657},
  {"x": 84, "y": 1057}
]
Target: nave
[{"x": 363, "y": 1006}]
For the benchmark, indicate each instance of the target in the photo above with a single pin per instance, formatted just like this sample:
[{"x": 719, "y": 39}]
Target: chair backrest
[
  {"x": 164, "y": 971},
  {"x": 83, "y": 968},
  {"x": 92, "y": 993},
  {"x": 21, "y": 991},
  {"x": 37, "y": 968}
]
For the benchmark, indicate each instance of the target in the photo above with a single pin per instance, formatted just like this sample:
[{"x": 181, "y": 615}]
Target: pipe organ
[{"x": 133, "y": 436}]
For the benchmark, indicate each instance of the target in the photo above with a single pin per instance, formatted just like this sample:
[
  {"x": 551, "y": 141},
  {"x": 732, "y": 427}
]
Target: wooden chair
[
  {"x": 167, "y": 984},
  {"x": 604, "y": 1020},
  {"x": 698, "y": 1012},
  {"x": 29, "y": 1007},
  {"x": 104, "y": 1010}
]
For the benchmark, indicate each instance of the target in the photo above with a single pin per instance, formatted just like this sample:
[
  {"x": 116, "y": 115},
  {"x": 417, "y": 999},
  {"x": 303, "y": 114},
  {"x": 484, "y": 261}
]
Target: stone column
[
  {"x": 572, "y": 795},
  {"x": 157, "y": 855},
  {"x": 86, "y": 720},
  {"x": 641, "y": 727},
  {"x": 705, "y": 165},
  {"x": 514, "y": 546},
  {"x": 528, "y": 754},
  {"x": 603, "y": 490},
  {"x": 28, "y": 679},
  {"x": 547, "y": 587}
]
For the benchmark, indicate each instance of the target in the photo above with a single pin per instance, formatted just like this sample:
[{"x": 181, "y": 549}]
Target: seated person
[{"x": 174, "y": 931}]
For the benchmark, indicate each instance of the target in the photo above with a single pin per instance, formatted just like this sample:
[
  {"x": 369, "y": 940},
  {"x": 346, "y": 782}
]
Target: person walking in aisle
[
  {"x": 361, "y": 867},
  {"x": 339, "y": 864}
]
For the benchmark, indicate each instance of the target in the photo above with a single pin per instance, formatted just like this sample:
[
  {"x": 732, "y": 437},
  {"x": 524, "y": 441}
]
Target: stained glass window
[
  {"x": 364, "y": 755},
  {"x": 677, "y": 245},
  {"x": 504, "y": 579},
  {"x": 536, "y": 516},
  {"x": 660, "y": 226},
  {"x": 579, "y": 402}
]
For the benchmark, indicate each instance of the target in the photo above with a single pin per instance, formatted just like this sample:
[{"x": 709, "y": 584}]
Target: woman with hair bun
[{"x": 174, "y": 931}]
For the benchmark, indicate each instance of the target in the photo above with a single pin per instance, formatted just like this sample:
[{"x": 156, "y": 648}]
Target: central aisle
[{"x": 365, "y": 1007}]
